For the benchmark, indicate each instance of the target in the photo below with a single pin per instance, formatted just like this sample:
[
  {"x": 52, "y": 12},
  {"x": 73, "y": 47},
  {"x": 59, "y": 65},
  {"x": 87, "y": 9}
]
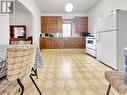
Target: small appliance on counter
[
  {"x": 91, "y": 46},
  {"x": 84, "y": 34},
  {"x": 51, "y": 34}
]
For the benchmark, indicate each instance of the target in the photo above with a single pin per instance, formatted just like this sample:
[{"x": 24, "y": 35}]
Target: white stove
[{"x": 91, "y": 46}]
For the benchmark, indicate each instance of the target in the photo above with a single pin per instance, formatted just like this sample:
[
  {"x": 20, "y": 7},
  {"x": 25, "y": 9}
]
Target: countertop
[{"x": 63, "y": 37}]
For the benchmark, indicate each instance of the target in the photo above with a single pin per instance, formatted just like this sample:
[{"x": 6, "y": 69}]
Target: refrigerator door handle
[{"x": 97, "y": 37}]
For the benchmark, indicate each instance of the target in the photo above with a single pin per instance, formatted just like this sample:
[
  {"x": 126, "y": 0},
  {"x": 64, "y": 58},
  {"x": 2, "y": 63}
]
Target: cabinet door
[
  {"x": 60, "y": 42},
  {"x": 82, "y": 43},
  {"x": 49, "y": 43},
  {"x": 43, "y": 23},
  {"x": 77, "y": 42},
  {"x": 81, "y": 24},
  {"x": 51, "y": 24},
  {"x": 68, "y": 42},
  {"x": 42, "y": 43},
  {"x": 54, "y": 43},
  {"x": 53, "y": 27},
  {"x": 58, "y": 24}
]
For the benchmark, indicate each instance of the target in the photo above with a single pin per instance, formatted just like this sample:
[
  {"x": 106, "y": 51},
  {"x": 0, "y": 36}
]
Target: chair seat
[
  {"x": 116, "y": 79},
  {"x": 8, "y": 88}
]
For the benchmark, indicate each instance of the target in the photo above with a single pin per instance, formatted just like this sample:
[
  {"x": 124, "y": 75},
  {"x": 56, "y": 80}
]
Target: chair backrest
[
  {"x": 19, "y": 62},
  {"x": 14, "y": 42},
  {"x": 27, "y": 42},
  {"x": 18, "y": 42}
]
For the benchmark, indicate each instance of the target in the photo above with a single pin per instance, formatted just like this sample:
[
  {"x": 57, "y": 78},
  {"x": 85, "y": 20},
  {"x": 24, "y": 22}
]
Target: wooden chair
[
  {"x": 19, "y": 64},
  {"x": 116, "y": 80},
  {"x": 33, "y": 69}
]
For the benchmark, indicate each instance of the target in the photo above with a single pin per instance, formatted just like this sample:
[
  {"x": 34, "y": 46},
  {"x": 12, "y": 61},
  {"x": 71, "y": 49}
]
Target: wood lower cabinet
[{"x": 62, "y": 43}]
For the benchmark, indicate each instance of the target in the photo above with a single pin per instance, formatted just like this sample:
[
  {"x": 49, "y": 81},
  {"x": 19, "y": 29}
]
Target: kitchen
[
  {"x": 80, "y": 40},
  {"x": 78, "y": 36},
  {"x": 106, "y": 45},
  {"x": 63, "y": 33},
  {"x": 102, "y": 44}
]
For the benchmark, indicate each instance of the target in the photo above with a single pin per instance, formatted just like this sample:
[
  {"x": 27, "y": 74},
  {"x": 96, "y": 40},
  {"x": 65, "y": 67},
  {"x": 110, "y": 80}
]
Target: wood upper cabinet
[
  {"x": 81, "y": 24},
  {"x": 51, "y": 24}
]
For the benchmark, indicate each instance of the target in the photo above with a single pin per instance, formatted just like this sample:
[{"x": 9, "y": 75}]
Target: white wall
[
  {"x": 104, "y": 8},
  {"x": 22, "y": 19},
  {"x": 32, "y": 7},
  {"x": 4, "y": 29},
  {"x": 4, "y": 22}
]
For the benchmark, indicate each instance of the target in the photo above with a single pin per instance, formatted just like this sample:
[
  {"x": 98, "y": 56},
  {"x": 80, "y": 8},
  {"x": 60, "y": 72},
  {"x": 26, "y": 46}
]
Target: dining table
[{"x": 39, "y": 61}]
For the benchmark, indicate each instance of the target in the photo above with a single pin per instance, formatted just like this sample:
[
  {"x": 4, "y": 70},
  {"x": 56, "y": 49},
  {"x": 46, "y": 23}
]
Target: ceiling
[
  {"x": 19, "y": 8},
  {"x": 57, "y": 6}
]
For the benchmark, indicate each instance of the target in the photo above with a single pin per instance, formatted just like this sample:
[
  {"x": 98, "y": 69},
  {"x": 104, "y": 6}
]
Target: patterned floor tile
[{"x": 70, "y": 72}]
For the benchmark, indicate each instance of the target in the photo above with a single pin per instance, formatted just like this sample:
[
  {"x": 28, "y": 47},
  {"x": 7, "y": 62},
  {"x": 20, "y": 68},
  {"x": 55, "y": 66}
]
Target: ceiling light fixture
[{"x": 69, "y": 7}]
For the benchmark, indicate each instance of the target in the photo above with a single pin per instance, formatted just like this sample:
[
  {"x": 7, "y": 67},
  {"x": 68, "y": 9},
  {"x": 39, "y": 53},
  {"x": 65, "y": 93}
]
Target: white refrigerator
[{"x": 111, "y": 39}]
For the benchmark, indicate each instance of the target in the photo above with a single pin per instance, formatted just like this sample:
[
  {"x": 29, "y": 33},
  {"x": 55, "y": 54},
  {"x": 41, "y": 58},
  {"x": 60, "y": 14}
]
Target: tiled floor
[{"x": 70, "y": 72}]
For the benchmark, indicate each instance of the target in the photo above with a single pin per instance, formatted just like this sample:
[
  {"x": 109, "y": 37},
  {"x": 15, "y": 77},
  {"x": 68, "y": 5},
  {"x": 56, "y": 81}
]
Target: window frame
[{"x": 68, "y": 21}]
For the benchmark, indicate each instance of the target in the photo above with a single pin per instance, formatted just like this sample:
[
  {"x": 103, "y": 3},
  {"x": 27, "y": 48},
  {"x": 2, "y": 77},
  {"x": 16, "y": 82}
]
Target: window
[{"x": 67, "y": 29}]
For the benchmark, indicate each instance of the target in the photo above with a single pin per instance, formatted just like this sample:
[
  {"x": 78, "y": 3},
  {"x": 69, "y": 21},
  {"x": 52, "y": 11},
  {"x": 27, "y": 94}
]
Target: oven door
[{"x": 90, "y": 43}]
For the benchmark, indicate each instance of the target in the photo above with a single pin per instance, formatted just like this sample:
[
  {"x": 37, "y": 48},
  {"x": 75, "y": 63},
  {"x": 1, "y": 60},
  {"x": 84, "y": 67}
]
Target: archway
[{"x": 22, "y": 17}]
